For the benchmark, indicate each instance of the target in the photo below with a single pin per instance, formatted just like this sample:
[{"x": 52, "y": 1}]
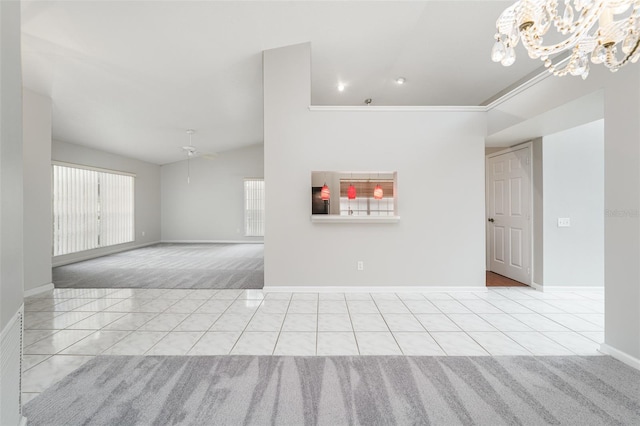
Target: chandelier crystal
[{"x": 597, "y": 31}]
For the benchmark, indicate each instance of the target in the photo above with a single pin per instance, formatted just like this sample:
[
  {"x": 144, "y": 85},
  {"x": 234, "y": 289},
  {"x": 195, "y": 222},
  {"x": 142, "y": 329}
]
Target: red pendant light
[
  {"x": 377, "y": 192},
  {"x": 325, "y": 194},
  {"x": 351, "y": 192}
]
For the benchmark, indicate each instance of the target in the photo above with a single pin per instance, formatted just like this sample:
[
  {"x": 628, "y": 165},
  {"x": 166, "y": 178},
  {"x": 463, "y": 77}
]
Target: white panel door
[{"x": 509, "y": 215}]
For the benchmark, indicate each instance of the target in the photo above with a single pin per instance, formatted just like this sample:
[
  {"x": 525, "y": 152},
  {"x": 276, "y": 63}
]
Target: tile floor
[{"x": 65, "y": 328}]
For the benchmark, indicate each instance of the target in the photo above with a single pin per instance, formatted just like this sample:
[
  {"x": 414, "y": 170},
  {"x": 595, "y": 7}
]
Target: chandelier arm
[
  {"x": 528, "y": 36},
  {"x": 615, "y": 66},
  {"x": 609, "y": 61},
  {"x": 566, "y": 69}
]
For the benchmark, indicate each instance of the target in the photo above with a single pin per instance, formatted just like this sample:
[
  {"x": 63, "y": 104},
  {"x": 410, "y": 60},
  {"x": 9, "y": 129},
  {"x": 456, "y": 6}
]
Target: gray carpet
[
  {"x": 249, "y": 390},
  {"x": 211, "y": 266}
]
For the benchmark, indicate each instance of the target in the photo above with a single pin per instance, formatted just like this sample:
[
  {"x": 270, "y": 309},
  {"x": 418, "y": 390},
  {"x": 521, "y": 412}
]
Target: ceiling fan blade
[{"x": 209, "y": 156}]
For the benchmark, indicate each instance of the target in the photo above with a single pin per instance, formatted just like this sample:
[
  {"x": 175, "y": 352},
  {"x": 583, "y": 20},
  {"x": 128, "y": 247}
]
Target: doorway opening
[{"x": 509, "y": 213}]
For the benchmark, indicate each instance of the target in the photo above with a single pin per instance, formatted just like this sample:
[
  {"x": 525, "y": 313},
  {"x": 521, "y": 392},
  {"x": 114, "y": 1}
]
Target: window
[
  {"x": 366, "y": 196},
  {"x": 365, "y": 204},
  {"x": 254, "y": 207},
  {"x": 91, "y": 208}
]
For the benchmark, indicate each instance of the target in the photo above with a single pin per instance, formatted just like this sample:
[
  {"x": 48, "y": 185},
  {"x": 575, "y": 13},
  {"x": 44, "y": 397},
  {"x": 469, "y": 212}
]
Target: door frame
[{"x": 529, "y": 167}]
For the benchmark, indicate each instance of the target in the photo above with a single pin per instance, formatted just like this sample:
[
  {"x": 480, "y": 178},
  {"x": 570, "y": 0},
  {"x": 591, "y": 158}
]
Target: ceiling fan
[{"x": 191, "y": 152}]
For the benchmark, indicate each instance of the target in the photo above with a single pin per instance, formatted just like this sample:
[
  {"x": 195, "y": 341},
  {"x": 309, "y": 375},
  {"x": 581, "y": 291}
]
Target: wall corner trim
[
  {"x": 620, "y": 356},
  {"x": 40, "y": 289}
]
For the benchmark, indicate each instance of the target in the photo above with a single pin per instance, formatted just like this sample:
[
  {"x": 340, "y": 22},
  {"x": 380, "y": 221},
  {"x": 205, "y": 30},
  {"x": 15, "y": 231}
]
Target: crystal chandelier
[{"x": 603, "y": 31}]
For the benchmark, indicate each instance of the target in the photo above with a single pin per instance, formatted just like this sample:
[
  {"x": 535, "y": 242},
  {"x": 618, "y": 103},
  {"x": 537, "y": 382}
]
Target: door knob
[{"x": 490, "y": 219}]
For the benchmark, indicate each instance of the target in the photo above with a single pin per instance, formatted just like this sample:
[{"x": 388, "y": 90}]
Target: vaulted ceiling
[{"x": 130, "y": 77}]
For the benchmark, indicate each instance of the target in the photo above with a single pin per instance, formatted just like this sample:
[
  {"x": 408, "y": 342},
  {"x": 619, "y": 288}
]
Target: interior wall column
[
  {"x": 11, "y": 210},
  {"x": 622, "y": 215}
]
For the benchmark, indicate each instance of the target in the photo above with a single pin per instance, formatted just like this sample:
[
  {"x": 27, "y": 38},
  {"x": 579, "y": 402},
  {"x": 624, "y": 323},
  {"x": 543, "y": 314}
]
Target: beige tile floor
[{"x": 65, "y": 328}]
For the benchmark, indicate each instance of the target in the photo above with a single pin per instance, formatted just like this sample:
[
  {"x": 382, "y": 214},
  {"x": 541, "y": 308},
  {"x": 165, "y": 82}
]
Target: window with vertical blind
[
  {"x": 254, "y": 207},
  {"x": 92, "y": 208}
]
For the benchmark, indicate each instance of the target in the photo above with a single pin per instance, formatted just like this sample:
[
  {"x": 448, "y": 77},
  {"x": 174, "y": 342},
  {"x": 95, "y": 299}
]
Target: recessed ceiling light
[
  {"x": 401, "y": 80},
  {"x": 340, "y": 87}
]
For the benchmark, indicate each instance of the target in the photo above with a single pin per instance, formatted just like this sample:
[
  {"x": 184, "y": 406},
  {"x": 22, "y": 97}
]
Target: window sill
[{"x": 323, "y": 218}]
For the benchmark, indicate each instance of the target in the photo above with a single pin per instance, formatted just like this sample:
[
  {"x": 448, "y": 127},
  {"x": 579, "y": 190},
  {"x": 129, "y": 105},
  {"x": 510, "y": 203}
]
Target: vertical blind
[
  {"x": 91, "y": 209},
  {"x": 254, "y": 207}
]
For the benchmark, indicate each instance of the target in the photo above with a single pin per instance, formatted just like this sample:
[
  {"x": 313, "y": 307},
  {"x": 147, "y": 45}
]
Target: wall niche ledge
[{"x": 323, "y": 218}]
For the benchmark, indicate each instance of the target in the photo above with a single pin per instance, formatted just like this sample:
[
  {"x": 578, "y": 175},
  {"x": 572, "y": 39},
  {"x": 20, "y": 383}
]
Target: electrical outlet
[
  {"x": 143, "y": 233},
  {"x": 360, "y": 265},
  {"x": 564, "y": 222}
]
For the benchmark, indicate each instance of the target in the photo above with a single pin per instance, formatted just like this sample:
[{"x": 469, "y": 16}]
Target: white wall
[
  {"x": 147, "y": 194},
  {"x": 570, "y": 99},
  {"x": 37, "y": 188},
  {"x": 439, "y": 158},
  {"x": 573, "y": 174},
  {"x": 622, "y": 231},
  {"x": 622, "y": 186},
  {"x": 538, "y": 211},
  {"x": 211, "y": 206},
  {"x": 11, "y": 208},
  {"x": 11, "y": 205}
]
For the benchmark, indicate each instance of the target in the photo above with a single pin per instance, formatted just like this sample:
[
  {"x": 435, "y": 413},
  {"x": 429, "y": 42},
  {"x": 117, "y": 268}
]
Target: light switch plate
[{"x": 564, "y": 222}]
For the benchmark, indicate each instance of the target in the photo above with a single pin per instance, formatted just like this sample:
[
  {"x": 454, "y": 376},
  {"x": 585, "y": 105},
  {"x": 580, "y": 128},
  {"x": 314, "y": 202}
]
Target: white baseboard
[
  {"x": 371, "y": 289},
  {"x": 560, "y": 288},
  {"x": 93, "y": 254},
  {"x": 11, "y": 337},
  {"x": 212, "y": 242},
  {"x": 620, "y": 356},
  {"x": 536, "y": 286},
  {"x": 40, "y": 289}
]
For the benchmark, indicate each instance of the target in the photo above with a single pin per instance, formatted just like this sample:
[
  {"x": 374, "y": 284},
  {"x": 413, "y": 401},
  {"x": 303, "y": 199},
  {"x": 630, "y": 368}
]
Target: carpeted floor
[
  {"x": 249, "y": 390},
  {"x": 211, "y": 266}
]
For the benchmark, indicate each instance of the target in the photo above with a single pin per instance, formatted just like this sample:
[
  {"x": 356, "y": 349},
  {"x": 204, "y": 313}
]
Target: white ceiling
[{"x": 130, "y": 77}]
